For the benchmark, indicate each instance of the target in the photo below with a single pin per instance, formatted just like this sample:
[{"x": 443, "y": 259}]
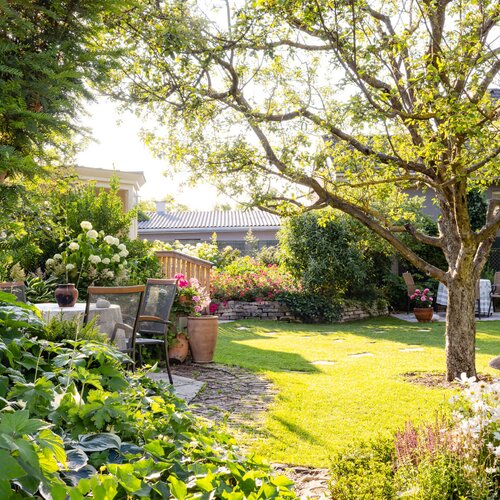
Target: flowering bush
[
  {"x": 454, "y": 457},
  {"x": 422, "y": 298},
  {"x": 191, "y": 298},
  {"x": 91, "y": 259},
  {"x": 248, "y": 280}
]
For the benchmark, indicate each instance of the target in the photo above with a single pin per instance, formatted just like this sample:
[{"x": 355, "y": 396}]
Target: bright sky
[{"x": 118, "y": 145}]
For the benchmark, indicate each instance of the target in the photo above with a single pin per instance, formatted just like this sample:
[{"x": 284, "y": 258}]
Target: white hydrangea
[
  {"x": 69, "y": 267},
  {"x": 95, "y": 259},
  {"x": 110, "y": 274},
  {"x": 106, "y": 261},
  {"x": 58, "y": 256},
  {"x": 115, "y": 258},
  {"x": 116, "y": 242},
  {"x": 86, "y": 225},
  {"x": 50, "y": 262},
  {"x": 121, "y": 246},
  {"x": 109, "y": 239},
  {"x": 123, "y": 253},
  {"x": 74, "y": 246},
  {"x": 92, "y": 234}
]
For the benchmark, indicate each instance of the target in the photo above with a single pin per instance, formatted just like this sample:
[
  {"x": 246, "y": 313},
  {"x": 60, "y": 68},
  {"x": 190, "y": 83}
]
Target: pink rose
[
  {"x": 426, "y": 290},
  {"x": 417, "y": 291},
  {"x": 423, "y": 298},
  {"x": 412, "y": 297}
]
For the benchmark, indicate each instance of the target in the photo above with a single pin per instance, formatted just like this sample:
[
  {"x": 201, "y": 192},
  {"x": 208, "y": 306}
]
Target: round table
[
  {"x": 484, "y": 296},
  {"x": 107, "y": 317}
]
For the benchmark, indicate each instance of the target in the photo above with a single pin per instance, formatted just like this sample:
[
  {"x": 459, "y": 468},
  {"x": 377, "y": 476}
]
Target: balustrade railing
[{"x": 173, "y": 262}]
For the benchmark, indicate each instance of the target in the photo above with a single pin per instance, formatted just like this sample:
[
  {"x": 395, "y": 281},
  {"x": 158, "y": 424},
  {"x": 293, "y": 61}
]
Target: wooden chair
[
  {"x": 154, "y": 317},
  {"x": 129, "y": 298},
  {"x": 410, "y": 288},
  {"x": 17, "y": 288},
  {"x": 495, "y": 293}
]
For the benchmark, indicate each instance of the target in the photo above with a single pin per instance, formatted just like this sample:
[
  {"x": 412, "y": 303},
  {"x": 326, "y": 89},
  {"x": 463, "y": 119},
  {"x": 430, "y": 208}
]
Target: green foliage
[
  {"x": 39, "y": 289},
  {"x": 310, "y": 307},
  {"x": 324, "y": 256},
  {"x": 75, "y": 424},
  {"x": 58, "y": 329},
  {"x": 17, "y": 316},
  {"x": 50, "y": 55},
  {"x": 142, "y": 262},
  {"x": 364, "y": 471},
  {"x": 102, "y": 208},
  {"x": 477, "y": 205}
]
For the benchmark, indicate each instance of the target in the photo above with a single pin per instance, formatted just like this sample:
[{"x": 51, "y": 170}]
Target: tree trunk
[{"x": 461, "y": 328}]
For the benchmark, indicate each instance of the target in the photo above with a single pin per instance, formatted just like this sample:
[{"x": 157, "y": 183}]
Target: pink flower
[
  {"x": 179, "y": 276},
  {"x": 213, "y": 307},
  {"x": 423, "y": 298},
  {"x": 182, "y": 283},
  {"x": 196, "y": 298},
  {"x": 417, "y": 291},
  {"x": 198, "y": 309},
  {"x": 426, "y": 290},
  {"x": 412, "y": 297}
]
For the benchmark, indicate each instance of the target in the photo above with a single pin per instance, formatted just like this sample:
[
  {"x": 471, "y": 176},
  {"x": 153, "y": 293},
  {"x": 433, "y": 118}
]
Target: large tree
[
  {"x": 341, "y": 103},
  {"x": 51, "y": 51}
]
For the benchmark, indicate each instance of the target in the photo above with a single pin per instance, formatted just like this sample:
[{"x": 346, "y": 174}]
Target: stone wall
[{"x": 274, "y": 310}]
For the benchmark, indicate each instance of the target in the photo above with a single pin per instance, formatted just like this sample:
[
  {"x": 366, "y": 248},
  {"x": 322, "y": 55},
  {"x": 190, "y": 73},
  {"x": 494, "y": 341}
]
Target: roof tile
[{"x": 209, "y": 220}]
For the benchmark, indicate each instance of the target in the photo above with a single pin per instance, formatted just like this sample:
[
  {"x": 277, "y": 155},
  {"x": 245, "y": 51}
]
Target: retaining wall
[{"x": 274, "y": 310}]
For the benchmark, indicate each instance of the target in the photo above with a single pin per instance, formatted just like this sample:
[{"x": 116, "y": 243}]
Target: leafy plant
[
  {"x": 58, "y": 329},
  {"x": 40, "y": 289},
  {"x": 74, "y": 423},
  {"x": 311, "y": 308}
]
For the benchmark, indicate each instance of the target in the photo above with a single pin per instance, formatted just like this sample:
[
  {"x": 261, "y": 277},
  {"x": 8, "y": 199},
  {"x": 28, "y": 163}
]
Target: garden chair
[
  {"x": 410, "y": 288},
  {"x": 495, "y": 293},
  {"x": 478, "y": 299},
  {"x": 17, "y": 288},
  {"x": 154, "y": 317},
  {"x": 129, "y": 298}
]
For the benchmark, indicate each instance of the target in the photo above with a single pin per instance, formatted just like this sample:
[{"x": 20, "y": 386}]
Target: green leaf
[
  {"x": 99, "y": 442},
  {"x": 9, "y": 467},
  {"x": 178, "y": 488}
]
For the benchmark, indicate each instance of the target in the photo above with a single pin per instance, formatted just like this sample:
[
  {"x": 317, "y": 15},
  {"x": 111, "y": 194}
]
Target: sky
[{"x": 118, "y": 146}]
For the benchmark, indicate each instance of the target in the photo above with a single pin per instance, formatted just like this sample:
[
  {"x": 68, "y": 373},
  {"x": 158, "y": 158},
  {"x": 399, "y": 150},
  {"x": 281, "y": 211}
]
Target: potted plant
[
  {"x": 423, "y": 302},
  {"x": 193, "y": 300}
]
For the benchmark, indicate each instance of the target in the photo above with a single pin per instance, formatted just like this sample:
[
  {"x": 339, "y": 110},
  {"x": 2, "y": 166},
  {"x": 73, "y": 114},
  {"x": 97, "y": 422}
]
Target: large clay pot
[
  {"x": 202, "y": 333},
  {"x": 66, "y": 295},
  {"x": 178, "y": 351},
  {"x": 423, "y": 314}
]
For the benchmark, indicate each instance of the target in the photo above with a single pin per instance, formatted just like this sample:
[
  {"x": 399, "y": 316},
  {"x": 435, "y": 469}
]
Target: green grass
[{"x": 321, "y": 409}]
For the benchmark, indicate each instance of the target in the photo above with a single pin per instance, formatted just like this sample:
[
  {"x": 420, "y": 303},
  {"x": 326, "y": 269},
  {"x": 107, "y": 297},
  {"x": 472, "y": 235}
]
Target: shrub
[
  {"x": 323, "y": 255},
  {"x": 142, "y": 262},
  {"x": 455, "y": 457},
  {"x": 247, "y": 280},
  {"x": 311, "y": 308},
  {"x": 58, "y": 330}
]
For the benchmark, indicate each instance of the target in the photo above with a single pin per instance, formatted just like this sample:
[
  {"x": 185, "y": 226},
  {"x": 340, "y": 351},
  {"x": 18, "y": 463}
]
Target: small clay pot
[
  {"x": 66, "y": 295},
  {"x": 178, "y": 351}
]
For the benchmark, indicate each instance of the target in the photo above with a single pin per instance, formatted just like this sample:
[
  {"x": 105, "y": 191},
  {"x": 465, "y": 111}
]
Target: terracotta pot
[
  {"x": 202, "y": 332},
  {"x": 66, "y": 295},
  {"x": 423, "y": 314},
  {"x": 177, "y": 353}
]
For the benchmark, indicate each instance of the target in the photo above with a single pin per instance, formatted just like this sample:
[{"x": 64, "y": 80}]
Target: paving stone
[{"x": 243, "y": 398}]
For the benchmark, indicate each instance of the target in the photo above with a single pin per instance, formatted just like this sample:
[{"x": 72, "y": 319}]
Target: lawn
[{"x": 322, "y": 408}]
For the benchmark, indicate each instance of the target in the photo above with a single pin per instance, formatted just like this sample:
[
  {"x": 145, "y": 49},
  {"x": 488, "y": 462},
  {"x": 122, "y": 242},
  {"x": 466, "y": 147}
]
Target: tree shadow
[
  {"x": 230, "y": 351},
  {"x": 298, "y": 431}
]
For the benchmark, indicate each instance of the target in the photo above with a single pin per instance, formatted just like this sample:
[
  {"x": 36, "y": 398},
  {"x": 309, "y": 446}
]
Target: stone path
[{"x": 243, "y": 398}]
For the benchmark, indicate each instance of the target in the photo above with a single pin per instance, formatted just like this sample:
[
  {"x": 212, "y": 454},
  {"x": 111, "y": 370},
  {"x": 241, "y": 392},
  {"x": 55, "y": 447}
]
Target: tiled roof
[{"x": 209, "y": 220}]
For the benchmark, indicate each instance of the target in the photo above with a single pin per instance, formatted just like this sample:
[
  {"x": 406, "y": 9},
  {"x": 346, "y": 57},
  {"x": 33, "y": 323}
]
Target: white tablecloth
[
  {"x": 484, "y": 294},
  {"x": 107, "y": 317}
]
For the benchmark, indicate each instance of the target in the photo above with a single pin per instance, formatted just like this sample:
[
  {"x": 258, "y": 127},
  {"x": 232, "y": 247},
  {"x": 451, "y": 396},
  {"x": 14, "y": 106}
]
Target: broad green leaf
[{"x": 9, "y": 467}]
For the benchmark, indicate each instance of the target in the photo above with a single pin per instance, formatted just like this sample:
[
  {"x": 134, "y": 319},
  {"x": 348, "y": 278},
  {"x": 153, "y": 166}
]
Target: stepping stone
[
  {"x": 424, "y": 330},
  {"x": 360, "y": 354},
  {"x": 323, "y": 362},
  {"x": 242, "y": 328},
  {"x": 412, "y": 349}
]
